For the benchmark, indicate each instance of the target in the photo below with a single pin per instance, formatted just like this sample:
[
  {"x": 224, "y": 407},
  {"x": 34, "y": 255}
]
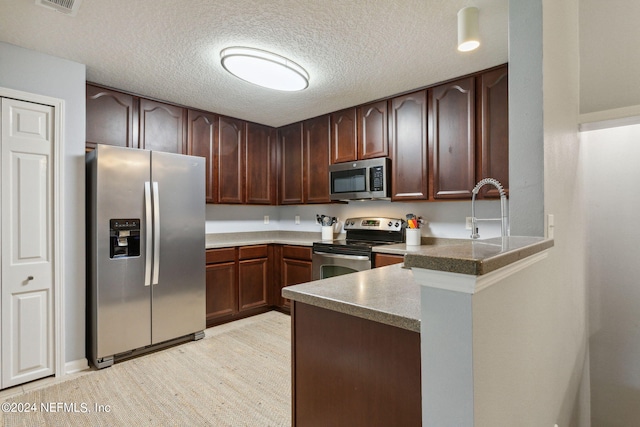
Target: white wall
[
  {"x": 444, "y": 219},
  {"x": 526, "y": 156},
  {"x": 530, "y": 344},
  {"x": 33, "y": 72},
  {"x": 609, "y": 62},
  {"x": 611, "y": 159}
]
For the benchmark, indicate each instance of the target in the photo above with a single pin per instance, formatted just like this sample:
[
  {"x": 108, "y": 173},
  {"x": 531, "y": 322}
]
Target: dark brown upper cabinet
[
  {"x": 112, "y": 117},
  {"x": 408, "y": 126},
  {"x": 452, "y": 139},
  {"x": 304, "y": 162},
  {"x": 231, "y": 160},
  {"x": 317, "y": 135},
  {"x": 260, "y": 149},
  {"x": 493, "y": 129},
  {"x": 373, "y": 139},
  {"x": 201, "y": 141},
  {"x": 344, "y": 136},
  {"x": 162, "y": 127},
  {"x": 291, "y": 160}
]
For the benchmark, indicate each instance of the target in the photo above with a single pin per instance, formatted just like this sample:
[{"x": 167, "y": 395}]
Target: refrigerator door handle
[
  {"x": 148, "y": 233},
  {"x": 156, "y": 234}
]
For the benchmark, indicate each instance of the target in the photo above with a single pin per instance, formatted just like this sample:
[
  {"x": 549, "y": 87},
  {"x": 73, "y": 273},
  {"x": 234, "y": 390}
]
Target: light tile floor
[{"x": 45, "y": 382}]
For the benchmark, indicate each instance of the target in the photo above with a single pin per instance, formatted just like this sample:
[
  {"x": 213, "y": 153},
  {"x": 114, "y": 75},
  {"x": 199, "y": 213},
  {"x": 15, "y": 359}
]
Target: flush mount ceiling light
[
  {"x": 264, "y": 68},
  {"x": 468, "y": 29}
]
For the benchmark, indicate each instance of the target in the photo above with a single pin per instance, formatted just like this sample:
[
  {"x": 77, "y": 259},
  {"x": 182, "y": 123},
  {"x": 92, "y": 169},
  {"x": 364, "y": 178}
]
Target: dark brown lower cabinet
[
  {"x": 253, "y": 277},
  {"x": 295, "y": 268},
  {"x": 349, "y": 371},
  {"x": 238, "y": 282},
  {"x": 221, "y": 284},
  {"x": 381, "y": 260}
]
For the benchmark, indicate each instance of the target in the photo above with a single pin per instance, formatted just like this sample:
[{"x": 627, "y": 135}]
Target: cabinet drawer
[
  {"x": 252, "y": 252},
  {"x": 221, "y": 255},
  {"x": 297, "y": 252}
]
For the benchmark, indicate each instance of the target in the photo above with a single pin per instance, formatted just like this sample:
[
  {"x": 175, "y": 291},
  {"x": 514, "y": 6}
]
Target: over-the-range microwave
[{"x": 362, "y": 179}]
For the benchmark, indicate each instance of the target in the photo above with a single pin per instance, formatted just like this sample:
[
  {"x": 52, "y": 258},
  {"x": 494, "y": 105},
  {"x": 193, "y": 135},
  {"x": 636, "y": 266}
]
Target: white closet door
[{"x": 26, "y": 234}]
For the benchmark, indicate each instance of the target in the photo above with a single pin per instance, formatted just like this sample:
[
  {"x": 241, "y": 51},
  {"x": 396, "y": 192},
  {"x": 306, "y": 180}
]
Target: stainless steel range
[{"x": 355, "y": 252}]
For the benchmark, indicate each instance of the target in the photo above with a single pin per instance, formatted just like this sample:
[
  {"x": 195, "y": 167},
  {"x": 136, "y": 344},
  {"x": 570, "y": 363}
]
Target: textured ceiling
[{"x": 355, "y": 50}]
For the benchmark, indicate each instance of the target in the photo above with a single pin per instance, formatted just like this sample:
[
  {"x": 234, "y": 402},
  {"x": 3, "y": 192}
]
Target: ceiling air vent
[{"x": 68, "y": 7}]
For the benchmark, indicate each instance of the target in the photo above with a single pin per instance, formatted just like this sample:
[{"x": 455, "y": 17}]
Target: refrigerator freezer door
[
  {"x": 121, "y": 305},
  {"x": 179, "y": 296}
]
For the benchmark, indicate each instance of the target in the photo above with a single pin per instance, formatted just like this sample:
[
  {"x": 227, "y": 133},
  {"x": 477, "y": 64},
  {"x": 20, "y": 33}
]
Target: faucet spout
[{"x": 503, "y": 208}]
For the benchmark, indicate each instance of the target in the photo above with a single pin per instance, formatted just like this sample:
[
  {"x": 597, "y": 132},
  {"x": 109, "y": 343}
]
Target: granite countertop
[
  {"x": 386, "y": 295},
  {"x": 391, "y": 295},
  {"x": 475, "y": 257}
]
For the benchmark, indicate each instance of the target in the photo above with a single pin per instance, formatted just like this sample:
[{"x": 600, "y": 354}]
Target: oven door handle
[{"x": 341, "y": 256}]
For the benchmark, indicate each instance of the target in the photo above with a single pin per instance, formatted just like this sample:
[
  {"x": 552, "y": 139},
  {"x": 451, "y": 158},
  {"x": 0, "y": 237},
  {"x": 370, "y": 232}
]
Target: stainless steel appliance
[
  {"x": 363, "y": 179},
  {"x": 355, "y": 252},
  {"x": 146, "y": 241}
]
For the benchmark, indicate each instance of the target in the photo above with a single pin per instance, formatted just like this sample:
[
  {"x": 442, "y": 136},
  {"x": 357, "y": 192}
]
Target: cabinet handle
[{"x": 29, "y": 278}]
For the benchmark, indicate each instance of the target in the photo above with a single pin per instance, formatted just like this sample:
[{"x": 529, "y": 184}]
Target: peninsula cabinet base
[{"x": 349, "y": 371}]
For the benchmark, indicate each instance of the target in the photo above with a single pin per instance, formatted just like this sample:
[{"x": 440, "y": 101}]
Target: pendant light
[
  {"x": 468, "y": 29},
  {"x": 264, "y": 68}
]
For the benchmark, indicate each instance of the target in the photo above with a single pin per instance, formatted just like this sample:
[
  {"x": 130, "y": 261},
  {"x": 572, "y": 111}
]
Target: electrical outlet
[
  {"x": 550, "y": 226},
  {"x": 297, "y": 220},
  {"x": 266, "y": 219},
  {"x": 468, "y": 223}
]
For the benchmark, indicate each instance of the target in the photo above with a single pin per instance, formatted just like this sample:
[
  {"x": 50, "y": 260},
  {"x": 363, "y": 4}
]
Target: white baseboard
[{"x": 76, "y": 366}]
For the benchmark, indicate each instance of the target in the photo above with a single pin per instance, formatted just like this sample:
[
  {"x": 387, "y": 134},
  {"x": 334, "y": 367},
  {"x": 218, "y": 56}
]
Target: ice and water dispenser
[{"x": 124, "y": 238}]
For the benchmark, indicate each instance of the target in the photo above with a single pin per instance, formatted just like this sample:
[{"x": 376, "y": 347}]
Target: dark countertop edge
[
  {"x": 460, "y": 259},
  {"x": 351, "y": 309}
]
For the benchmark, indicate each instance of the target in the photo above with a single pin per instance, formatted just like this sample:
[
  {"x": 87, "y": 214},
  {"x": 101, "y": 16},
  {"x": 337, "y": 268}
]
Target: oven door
[{"x": 327, "y": 265}]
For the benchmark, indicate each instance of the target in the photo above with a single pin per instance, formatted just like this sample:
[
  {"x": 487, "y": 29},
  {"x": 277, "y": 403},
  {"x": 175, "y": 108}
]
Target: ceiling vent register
[{"x": 68, "y": 7}]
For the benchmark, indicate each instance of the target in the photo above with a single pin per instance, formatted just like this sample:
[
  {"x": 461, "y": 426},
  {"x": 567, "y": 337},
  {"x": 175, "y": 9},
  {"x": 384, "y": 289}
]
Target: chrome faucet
[{"x": 503, "y": 208}]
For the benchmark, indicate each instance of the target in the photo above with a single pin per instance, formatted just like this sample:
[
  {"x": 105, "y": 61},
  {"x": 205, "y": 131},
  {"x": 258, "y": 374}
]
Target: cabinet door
[
  {"x": 294, "y": 271},
  {"x": 112, "y": 118},
  {"x": 344, "y": 136},
  {"x": 372, "y": 130},
  {"x": 253, "y": 278},
  {"x": 231, "y": 162},
  {"x": 201, "y": 137},
  {"x": 317, "y": 133},
  {"x": 493, "y": 129},
  {"x": 408, "y": 124},
  {"x": 291, "y": 161},
  {"x": 162, "y": 127},
  {"x": 260, "y": 177},
  {"x": 452, "y": 139},
  {"x": 221, "y": 290},
  {"x": 293, "y": 266}
]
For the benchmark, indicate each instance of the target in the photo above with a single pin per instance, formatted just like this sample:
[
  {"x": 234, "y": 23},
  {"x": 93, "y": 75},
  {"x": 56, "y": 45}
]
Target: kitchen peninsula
[{"x": 359, "y": 343}]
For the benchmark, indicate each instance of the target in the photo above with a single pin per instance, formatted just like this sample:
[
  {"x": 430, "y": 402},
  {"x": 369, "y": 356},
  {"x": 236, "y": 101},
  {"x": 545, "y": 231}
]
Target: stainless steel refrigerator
[{"x": 146, "y": 251}]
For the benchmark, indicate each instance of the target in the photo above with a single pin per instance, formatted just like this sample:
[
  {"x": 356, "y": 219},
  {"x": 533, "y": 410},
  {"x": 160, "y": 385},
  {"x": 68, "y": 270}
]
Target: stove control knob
[
  {"x": 397, "y": 224},
  {"x": 390, "y": 224}
]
